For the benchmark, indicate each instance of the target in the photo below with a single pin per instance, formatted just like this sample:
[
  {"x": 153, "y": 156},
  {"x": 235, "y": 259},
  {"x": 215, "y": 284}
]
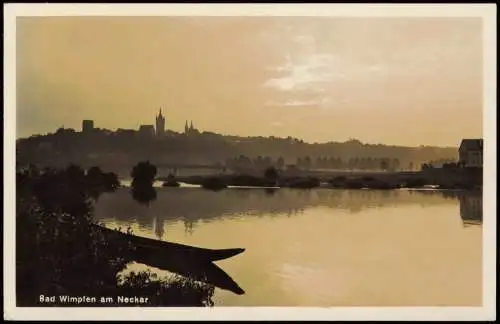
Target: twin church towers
[{"x": 160, "y": 126}]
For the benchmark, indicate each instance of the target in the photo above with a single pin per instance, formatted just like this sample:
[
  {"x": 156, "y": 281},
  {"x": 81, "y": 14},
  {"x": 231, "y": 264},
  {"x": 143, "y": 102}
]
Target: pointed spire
[{"x": 191, "y": 127}]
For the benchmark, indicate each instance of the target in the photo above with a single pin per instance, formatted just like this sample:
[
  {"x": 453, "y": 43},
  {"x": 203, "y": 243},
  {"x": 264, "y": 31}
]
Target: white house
[{"x": 470, "y": 153}]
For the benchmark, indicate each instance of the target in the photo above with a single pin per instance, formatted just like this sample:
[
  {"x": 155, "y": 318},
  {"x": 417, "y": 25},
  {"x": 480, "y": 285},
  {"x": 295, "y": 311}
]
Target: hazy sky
[{"x": 404, "y": 81}]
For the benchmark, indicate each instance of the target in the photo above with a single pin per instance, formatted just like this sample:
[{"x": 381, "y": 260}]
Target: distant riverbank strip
[{"x": 465, "y": 179}]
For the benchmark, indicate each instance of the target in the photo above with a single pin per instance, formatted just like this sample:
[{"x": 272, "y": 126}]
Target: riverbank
[{"x": 436, "y": 179}]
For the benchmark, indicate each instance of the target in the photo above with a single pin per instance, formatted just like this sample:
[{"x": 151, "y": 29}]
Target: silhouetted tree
[
  {"x": 94, "y": 173},
  {"x": 98, "y": 181},
  {"x": 332, "y": 163},
  {"x": 280, "y": 163},
  {"x": 395, "y": 164},
  {"x": 170, "y": 177},
  {"x": 384, "y": 165},
  {"x": 319, "y": 162},
  {"x": 76, "y": 173},
  {"x": 111, "y": 182},
  {"x": 95, "y": 181},
  {"x": 307, "y": 162},
  {"x": 267, "y": 162},
  {"x": 426, "y": 166},
  {"x": 143, "y": 174},
  {"x": 352, "y": 163},
  {"x": 271, "y": 174}
]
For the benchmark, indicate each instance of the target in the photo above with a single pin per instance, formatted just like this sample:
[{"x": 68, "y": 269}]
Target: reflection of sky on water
[
  {"x": 323, "y": 247},
  {"x": 192, "y": 205}
]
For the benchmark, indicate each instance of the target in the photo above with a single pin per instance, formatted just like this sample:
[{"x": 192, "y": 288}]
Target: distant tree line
[
  {"x": 119, "y": 151},
  {"x": 320, "y": 162},
  {"x": 442, "y": 163}
]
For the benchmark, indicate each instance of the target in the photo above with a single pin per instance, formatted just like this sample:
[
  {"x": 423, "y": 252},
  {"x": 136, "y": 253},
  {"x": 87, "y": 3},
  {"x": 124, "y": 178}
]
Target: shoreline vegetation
[
  {"x": 454, "y": 179},
  {"x": 119, "y": 151},
  {"x": 170, "y": 181},
  {"x": 60, "y": 251}
]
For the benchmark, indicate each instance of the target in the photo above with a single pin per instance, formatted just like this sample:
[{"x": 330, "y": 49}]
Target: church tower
[
  {"x": 160, "y": 125},
  {"x": 186, "y": 128}
]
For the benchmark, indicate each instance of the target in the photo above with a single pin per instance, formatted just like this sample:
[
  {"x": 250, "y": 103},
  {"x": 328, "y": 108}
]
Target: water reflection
[
  {"x": 143, "y": 195},
  {"x": 270, "y": 191},
  {"x": 471, "y": 208},
  {"x": 159, "y": 227},
  {"x": 151, "y": 208},
  {"x": 208, "y": 273},
  {"x": 323, "y": 247}
]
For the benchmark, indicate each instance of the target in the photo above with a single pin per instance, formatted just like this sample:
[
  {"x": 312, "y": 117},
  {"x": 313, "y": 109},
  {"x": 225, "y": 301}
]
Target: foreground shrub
[
  {"x": 173, "y": 291},
  {"x": 60, "y": 252}
]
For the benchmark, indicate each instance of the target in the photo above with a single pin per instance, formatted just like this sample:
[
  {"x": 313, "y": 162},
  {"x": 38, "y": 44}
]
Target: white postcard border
[{"x": 486, "y": 11}]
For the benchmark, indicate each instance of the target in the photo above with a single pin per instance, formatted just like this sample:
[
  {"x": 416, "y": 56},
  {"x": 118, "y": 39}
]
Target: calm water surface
[{"x": 322, "y": 247}]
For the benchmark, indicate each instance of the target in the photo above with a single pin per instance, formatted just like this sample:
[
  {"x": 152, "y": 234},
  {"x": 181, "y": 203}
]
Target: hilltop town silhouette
[{"x": 119, "y": 150}]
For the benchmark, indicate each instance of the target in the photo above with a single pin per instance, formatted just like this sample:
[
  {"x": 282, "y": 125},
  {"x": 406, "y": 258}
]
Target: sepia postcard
[{"x": 250, "y": 161}]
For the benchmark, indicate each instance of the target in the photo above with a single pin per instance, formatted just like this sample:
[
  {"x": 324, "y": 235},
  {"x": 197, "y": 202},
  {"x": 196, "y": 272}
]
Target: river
[{"x": 322, "y": 247}]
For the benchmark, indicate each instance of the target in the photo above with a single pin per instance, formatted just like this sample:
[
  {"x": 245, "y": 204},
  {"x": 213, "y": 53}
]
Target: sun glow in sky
[{"x": 403, "y": 81}]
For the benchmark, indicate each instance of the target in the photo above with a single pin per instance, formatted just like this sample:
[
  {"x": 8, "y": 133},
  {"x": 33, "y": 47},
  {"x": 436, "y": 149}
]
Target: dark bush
[
  {"x": 302, "y": 183},
  {"x": 337, "y": 182},
  {"x": 353, "y": 184},
  {"x": 251, "y": 181},
  {"x": 214, "y": 183},
  {"x": 414, "y": 183},
  {"x": 98, "y": 181},
  {"x": 381, "y": 185},
  {"x": 170, "y": 181},
  {"x": 271, "y": 174}
]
